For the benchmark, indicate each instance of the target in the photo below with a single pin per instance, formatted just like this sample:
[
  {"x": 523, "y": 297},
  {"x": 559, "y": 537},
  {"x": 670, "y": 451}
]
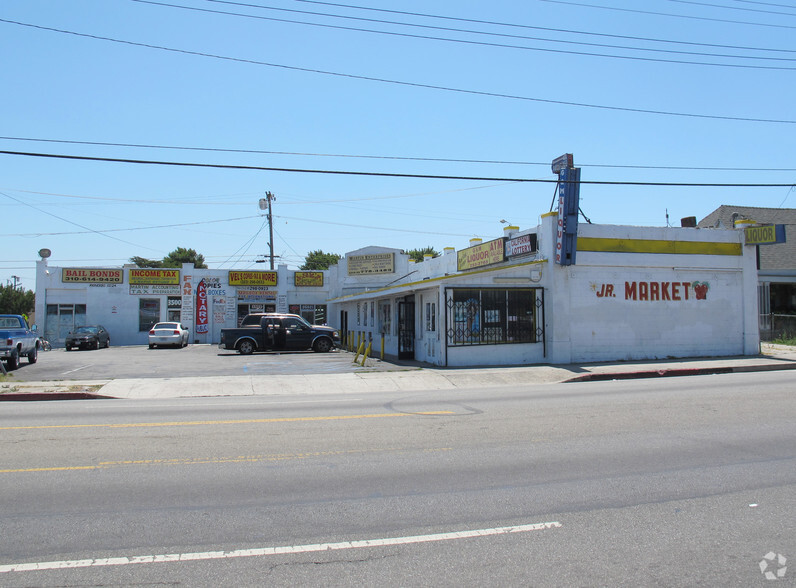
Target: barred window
[{"x": 492, "y": 316}]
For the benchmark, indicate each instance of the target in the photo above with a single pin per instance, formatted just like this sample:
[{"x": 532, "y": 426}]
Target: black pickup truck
[{"x": 278, "y": 332}]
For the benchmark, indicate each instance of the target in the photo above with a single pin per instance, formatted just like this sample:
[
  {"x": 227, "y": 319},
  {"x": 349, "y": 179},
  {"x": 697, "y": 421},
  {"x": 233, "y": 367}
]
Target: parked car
[
  {"x": 17, "y": 340},
  {"x": 274, "y": 331},
  {"x": 168, "y": 334},
  {"x": 88, "y": 337}
]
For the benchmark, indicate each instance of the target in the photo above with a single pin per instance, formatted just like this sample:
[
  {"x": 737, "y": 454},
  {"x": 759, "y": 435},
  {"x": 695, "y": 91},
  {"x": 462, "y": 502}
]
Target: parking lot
[{"x": 138, "y": 361}]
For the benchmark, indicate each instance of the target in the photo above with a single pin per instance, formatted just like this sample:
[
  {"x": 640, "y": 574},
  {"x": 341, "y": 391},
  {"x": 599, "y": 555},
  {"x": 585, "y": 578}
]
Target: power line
[
  {"x": 725, "y": 7},
  {"x": 408, "y": 84},
  {"x": 387, "y": 174},
  {"x": 471, "y": 32},
  {"x": 532, "y": 27},
  {"x": 545, "y": 164},
  {"x": 498, "y": 45},
  {"x": 684, "y": 16}
]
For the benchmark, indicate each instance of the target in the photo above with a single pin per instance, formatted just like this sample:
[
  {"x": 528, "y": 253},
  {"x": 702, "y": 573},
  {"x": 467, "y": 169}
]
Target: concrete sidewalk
[{"x": 772, "y": 357}]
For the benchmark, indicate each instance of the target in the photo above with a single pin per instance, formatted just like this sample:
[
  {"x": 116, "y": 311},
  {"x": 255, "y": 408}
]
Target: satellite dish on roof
[{"x": 45, "y": 253}]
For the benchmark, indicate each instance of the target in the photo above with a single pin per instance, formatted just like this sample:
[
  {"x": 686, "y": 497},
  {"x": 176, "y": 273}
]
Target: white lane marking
[
  {"x": 82, "y": 367},
  {"x": 264, "y": 551}
]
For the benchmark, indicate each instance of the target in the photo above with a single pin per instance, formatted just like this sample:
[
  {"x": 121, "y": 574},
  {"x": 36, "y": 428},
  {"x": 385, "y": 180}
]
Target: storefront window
[
  {"x": 385, "y": 318},
  {"x": 492, "y": 316},
  {"x": 431, "y": 316},
  {"x": 148, "y": 313}
]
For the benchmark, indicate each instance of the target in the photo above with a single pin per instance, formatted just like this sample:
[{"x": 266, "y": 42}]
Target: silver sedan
[{"x": 168, "y": 334}]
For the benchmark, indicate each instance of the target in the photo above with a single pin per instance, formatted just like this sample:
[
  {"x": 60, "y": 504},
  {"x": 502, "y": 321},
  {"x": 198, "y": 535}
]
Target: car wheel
[
  {"x": 322, "y": 345},
  {"x": 13, "y": 360},
  {"x": 108, "y": 343},
  {"x": 151, "y": 346},
  {"x": 95, "y": 344},
  {"x": 69, "y": 348},
  {"x": 185, "y": 342},
  {"x": 33, "y": 355},
  {"x": 246, "y": 347}
]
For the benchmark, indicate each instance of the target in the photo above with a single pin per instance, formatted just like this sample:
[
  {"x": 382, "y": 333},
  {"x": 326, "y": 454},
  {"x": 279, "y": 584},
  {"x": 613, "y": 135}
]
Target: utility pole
[{"x": 265, "y": 203}]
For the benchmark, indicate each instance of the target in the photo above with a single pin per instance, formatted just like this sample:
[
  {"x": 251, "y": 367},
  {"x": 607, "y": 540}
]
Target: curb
[
  {"x": 673, "y": 373},
  {"x": 33, "y": 396}
]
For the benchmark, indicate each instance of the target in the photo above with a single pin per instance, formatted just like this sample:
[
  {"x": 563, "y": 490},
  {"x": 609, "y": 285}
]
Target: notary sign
[
  {"x": 91, "y": 276},
  {"x": 242, "y": 278},
  {"x": 375, "y": 263},
  {"x": 765, "y": 235},
  {"x": 480, "y": 255}
]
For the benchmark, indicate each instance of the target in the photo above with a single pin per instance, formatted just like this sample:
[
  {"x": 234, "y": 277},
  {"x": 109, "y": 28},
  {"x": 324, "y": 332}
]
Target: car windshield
[
  {"x": 166, "y": 326},
  {"x": 86, "y": 330}
]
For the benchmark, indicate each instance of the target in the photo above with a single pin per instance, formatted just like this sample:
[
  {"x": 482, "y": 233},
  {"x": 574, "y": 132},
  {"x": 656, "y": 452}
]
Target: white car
[{"x": 172, "y": 334}]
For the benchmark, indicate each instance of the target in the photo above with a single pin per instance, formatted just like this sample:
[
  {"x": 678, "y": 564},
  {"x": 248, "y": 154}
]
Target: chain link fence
[{"x": 776, "y": 326}]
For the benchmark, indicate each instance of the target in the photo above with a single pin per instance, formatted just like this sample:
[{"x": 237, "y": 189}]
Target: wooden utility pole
[{"x": 265, "y": 203}]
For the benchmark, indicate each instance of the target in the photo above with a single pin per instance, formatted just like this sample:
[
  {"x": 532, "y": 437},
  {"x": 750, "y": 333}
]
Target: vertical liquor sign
[
  {"x": 201, "y": 307},
  {"x": 568, "y": 206}
]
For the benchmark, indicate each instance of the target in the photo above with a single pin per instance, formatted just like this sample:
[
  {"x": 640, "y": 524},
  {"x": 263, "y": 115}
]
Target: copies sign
[{"x": 240, "y": 278}]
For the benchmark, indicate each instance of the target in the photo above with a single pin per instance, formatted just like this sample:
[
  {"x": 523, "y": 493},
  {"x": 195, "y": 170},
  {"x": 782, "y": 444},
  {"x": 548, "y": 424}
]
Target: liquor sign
[
  {"x": 92, "y": 276},
  {"x": 521, "y": 245},
  {"x": 308, "y": 279},
  {"x": 376, "y": 263},
  {"x": 154, "y": 276},
  {"x": 568, "y": 206},
  {"x": 201, "y": 308},
  {"x": 480, "y": 255},
  {"x": 765, "y": 235},
  {"x": 241, "y": 278}
]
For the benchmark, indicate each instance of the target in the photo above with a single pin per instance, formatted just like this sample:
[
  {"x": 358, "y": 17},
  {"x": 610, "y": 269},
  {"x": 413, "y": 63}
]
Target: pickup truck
[
  {"x": 17, "y": 340},
  {"x": 278, "y": 332}
]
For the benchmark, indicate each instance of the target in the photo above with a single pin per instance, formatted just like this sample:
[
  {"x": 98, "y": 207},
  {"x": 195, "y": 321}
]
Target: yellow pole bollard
[
  {"x": 359, "y": 351},
  {"x": 382, "y": 346},
  {"x": 366, "y": 354}
]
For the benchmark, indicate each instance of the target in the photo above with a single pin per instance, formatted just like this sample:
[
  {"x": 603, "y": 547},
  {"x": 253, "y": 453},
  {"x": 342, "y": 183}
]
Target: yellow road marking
[
  {"x": 229, "y": 422},
  {"x": 103, "y": 465}
]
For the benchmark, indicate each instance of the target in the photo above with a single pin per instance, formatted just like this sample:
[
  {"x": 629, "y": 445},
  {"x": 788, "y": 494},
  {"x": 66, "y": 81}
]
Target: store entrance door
[{"x": 406, "y": 328}]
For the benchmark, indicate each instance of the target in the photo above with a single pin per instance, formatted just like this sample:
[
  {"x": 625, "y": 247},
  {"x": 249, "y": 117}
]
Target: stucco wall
[{"x": 625, "y": 304}]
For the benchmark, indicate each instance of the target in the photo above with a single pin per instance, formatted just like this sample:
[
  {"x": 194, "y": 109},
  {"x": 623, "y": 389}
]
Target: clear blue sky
[{"x": 494, "y": 90}]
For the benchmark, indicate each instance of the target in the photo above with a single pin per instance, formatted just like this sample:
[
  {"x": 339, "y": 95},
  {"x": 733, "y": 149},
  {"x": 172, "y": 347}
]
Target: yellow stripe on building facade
[{"x": 657, "y": 246}]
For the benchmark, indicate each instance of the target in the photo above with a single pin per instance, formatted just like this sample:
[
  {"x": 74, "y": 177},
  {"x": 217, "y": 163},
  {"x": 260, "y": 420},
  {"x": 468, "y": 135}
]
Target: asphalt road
[
  {"x": 138, "y": 361},
  {"x": 673, "y": 482}
]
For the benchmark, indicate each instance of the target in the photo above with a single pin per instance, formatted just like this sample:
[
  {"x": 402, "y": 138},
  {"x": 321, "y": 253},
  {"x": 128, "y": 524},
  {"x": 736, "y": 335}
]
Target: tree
[
  {"x": 419, "y": 254},
  {"x": 16, "y": 300},
  {"x": 174, "y": 259},
  {"x": 318, "y": 260},
  {"x": 181, "y": 255},
  {"x": 144, "y": 262}
]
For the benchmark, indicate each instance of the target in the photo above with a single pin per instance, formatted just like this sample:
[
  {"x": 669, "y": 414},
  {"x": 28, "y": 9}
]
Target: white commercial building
[{"x": 631, "y": 293}]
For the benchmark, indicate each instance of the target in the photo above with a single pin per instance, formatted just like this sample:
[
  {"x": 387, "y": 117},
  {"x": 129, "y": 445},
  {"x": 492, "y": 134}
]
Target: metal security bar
[{"x": 494, "y": 316}]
